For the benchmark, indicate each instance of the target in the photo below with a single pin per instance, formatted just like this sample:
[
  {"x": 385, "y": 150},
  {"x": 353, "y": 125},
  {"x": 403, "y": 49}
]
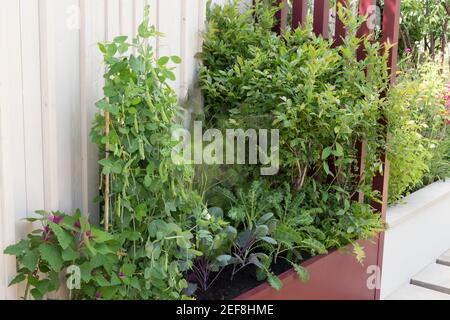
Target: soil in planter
[{"x": 226, "y": 289}]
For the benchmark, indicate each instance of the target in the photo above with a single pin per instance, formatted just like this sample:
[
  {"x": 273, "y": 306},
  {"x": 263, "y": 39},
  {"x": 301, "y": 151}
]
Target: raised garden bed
[{"x": 337, "y": 275}]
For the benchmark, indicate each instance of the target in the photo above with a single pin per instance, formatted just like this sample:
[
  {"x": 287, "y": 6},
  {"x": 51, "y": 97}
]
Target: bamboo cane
[{"x": 107, "y": 191}]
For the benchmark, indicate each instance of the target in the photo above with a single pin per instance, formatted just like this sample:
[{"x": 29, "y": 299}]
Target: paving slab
[
  {"x": 444, "y": 259},
  {"x": 435, "y": 277},
  {"x": 413, "y": 292}
]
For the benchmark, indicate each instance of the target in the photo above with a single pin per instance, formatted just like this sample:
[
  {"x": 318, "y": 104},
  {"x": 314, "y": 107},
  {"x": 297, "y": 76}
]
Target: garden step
[
  {"x": 413, "y": 292},
  {"x": 444, "y": 259},
  {"x": 434, "y": 277}
]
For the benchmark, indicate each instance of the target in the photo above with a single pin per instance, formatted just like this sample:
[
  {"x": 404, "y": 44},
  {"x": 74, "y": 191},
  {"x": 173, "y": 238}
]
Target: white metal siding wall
[{"x": 50, "y": 78}]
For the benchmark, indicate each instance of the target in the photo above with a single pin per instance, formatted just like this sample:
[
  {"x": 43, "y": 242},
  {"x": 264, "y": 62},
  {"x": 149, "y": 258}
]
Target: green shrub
[
  {"x": 419, "y": 133},
  {"x": 318, "y": 96}
]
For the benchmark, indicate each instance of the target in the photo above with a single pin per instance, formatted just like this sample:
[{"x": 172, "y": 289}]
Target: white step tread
[
  {"x": 444, "y": 259},
  {"x": 434, "y": 277},
  {"x": 412, "y": 292}
]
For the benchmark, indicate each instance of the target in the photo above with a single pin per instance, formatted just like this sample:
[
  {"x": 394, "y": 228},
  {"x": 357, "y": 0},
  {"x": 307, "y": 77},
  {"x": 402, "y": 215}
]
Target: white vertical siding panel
[
  {"x": 138, "y": 15},
  {"x": 127, "y": 18},
  {"x": 170, "y": 16},
  {"x": 154, "y": 20},
  {"x": 201, "y": 24},
  {"x": 10, "y": 101},
  {"x": 93, "y": 30},
  {"x": 66, "y": 74},
  {"x": 48, "y": 104},
  {"x": 183, "y": 69},
  {"x": 17, "y": 131},
  {"x": 32, "y": 105},
  {"x": 113, "y": 21},
  {"x": 139, "y": 6}
]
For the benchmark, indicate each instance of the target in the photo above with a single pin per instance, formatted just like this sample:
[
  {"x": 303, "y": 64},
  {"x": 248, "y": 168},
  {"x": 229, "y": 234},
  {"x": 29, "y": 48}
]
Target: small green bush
[{"x": 419, "y": 133}]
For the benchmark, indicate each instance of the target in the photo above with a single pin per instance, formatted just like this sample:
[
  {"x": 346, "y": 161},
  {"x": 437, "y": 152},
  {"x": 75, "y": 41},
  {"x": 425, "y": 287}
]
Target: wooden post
[
  {"x": 281, "y": 16},
  {"x": 321, "y": 17},
  {"x": 391, "y": 22},
  {"x": 365, "y": 30},
  {"x": 391, "y": 25},
  {"x": 340, "y": 32},
  {"x": 299, "y": 13},
  {"x": 366, "y": 7}
]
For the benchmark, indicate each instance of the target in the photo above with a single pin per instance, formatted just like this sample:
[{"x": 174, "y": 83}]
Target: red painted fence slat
[
  {"x": 366, "y": 7},
  {"x": 321, "y": 17},
  {"x": 340, "y": 32},
  {"x": 281, "y": 16},
  {"x": 391, "y": 24},
  {"x": 299, "y": 13},
  {"x": 390, "y": 29}
]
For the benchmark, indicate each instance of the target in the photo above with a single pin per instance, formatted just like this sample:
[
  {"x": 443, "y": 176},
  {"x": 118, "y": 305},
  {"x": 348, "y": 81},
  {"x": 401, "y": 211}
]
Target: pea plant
[{"x": 152, "y": 199}]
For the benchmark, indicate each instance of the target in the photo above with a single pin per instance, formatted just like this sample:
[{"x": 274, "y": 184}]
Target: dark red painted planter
[{"x": 335, "y": 276}]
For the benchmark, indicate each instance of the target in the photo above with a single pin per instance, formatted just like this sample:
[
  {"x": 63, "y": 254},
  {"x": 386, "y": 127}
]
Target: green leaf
[
  {"x": 17, "y": 279},
  {"x": 170, "y": 207},
  {"x": 63, "y": 237},
  {"x": 43, "y": 286},
  {"x": 136, "y": 64},
  {"x": 52, "y": 255},
  {"x": 111, "y": 49},
  {"x": 86, "y": 271},
  {"x": 163, "y": 61},
  {"x": 339, "y": 150},
  {"x": 170, "y": 75},
  {"x": 183, "y": 240},
  {"x": 140, "y": 211},
  {"x": 123, "y": 48},
  {"x": 266, "y": 217},
  {"x": 101, "y": 47},
  {"x": 326, "y": 153},
  {"x": 109, "y": 291},
  {"x": 176, "y": 59},
  {"x": 101, "y": 280},
  {"x": 224, "y": 259},
  {"x": 18, "y": 249},
  {"x": 302, "y": 272},
  {"x": 37, "y": 295},
  {"x": 30, "y": 260},
  {"x": 261, "y": 231},
  {"x": 143, "y": 29},
  {"x": 269, "y": 240},
  {"x": 101, "y": 236},
  {"x": 314, "y": 245},
  {"x": 359, "y": 252},
  {"x": 70, "y": 255},
  {"x": 128, "y": 269},
  {"x": 120, "y": 39},
  {"x": 274, "y": 281},
  {"x": 327, "y": 168}
]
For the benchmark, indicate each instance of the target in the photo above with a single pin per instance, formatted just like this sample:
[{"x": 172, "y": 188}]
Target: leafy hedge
[{"x": 418, "y": 113}]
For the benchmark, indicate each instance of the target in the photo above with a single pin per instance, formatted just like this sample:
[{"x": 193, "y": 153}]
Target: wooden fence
[{"x": 390, "y": 33}]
